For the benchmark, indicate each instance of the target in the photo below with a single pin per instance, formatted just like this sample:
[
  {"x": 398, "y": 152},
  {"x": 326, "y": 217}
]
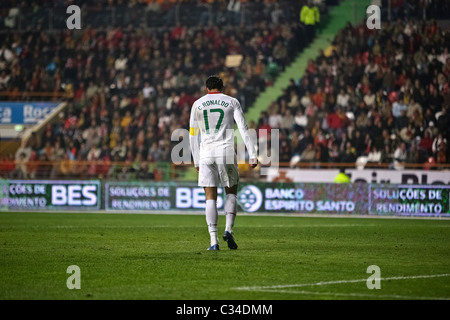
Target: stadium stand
[
  {"x": 132, "y": 72},
  {"x": 129, "y": 79},
  {"x": 373, "y": 97}
]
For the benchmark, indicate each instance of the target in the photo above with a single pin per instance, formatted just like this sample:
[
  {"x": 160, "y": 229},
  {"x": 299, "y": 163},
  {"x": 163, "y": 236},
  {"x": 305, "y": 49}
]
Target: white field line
[
  {"x": 361, "y": 295},
  {"x": 279, "y": 288}
]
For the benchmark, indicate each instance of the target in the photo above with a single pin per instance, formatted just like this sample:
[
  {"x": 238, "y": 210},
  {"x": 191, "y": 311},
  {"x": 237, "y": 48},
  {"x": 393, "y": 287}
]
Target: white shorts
[{"x": 214, "y": 172}]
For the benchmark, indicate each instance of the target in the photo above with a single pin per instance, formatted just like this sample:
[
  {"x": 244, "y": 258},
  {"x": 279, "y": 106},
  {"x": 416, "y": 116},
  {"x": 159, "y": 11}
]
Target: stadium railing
[
  {"x": 163, "y": 171},
  {"x": 32, "y": 95}
]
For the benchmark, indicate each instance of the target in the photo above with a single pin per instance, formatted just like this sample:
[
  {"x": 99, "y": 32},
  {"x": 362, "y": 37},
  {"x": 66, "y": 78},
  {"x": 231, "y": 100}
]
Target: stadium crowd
[
  {"x": 128, "y": 87},
  {"x": 377, "y": 96}
]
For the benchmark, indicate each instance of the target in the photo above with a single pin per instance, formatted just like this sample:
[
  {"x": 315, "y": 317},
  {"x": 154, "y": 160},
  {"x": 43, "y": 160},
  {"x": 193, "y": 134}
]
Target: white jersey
[{"x": 213, "y": 117}]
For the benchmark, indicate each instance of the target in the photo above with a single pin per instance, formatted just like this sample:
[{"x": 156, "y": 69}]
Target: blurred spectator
[
  {"x": 285, "y": 149},
  {"x": 287, "y": 121},
  {"x": 400, "y": 156},
  {"x": 20, "y": 171},
  {"x": 24, "y": 152},
  {"x": 439, "y": 148},
  {"x": 275, "y": 118},
  {"x": 44, "y": 168},
  {"x": 93, "y": 157},
  {"x": 374, "y": 156},
  {"x": 310, "y": 17},
  {"x": 301, "y": 121},
  {"x": 4, "y": 80},
  {"x": 66, "y": 166},
  {"x": 398, "y": 107},
  {"x": 426, "y": 142},
  {"x": 348, "y": 154},
  {"x": 342, "y": 177},
  {"x": 234, "y": 12}
]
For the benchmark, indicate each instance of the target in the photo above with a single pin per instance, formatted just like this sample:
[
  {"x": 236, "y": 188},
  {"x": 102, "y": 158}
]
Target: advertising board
[
  {"x": 51, "y": 194},
  {"x": 25, "y": 112},
  {"x": 254, "y": 198}
]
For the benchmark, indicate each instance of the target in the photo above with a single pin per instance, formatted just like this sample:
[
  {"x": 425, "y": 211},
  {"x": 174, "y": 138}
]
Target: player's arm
[
  {"x": 243, "y": 130},
  {"x": 193, "y": 138}
]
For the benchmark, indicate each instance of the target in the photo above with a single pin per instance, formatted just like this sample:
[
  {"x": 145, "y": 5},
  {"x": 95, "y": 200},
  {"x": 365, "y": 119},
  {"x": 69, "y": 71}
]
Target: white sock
[
  {"x": 212, "y": 217},
  {"x": 230, "y": 212}
]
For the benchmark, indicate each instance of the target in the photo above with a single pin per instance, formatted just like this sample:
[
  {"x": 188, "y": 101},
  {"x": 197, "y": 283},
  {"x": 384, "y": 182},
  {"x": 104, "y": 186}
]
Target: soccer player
[{"x": 212, "y": 118}]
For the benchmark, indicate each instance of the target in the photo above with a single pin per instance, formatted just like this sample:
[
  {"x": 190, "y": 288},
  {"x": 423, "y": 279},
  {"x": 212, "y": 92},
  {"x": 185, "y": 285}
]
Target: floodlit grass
[{"x": 164, "y": 257}]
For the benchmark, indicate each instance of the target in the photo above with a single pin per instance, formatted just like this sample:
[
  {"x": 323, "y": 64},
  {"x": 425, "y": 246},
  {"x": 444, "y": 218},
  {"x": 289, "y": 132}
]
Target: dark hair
[{"x": 214, "y": 82}]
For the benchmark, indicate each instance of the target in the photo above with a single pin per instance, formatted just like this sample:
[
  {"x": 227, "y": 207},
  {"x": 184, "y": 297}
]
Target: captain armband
[{"x": 193, "y": 131}]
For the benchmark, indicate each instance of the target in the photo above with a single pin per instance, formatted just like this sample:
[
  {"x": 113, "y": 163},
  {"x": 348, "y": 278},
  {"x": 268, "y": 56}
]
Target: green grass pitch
[{"x": 164, "y": 257}]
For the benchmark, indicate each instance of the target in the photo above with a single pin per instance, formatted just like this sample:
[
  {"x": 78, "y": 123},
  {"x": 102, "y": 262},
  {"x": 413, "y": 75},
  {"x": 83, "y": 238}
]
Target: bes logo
[
  {"x": 75, "y": 195},
  {"x": 250, "y": 198}
]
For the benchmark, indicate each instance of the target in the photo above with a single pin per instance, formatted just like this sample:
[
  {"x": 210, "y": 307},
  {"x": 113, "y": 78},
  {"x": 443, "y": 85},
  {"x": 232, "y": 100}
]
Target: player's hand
[
  {"x": 253, "y": 163},
  {"x": 197, "y": 169}
]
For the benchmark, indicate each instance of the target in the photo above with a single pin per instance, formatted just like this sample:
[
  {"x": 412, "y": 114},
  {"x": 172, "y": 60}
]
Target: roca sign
[{"x": 25, "y": 112}]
